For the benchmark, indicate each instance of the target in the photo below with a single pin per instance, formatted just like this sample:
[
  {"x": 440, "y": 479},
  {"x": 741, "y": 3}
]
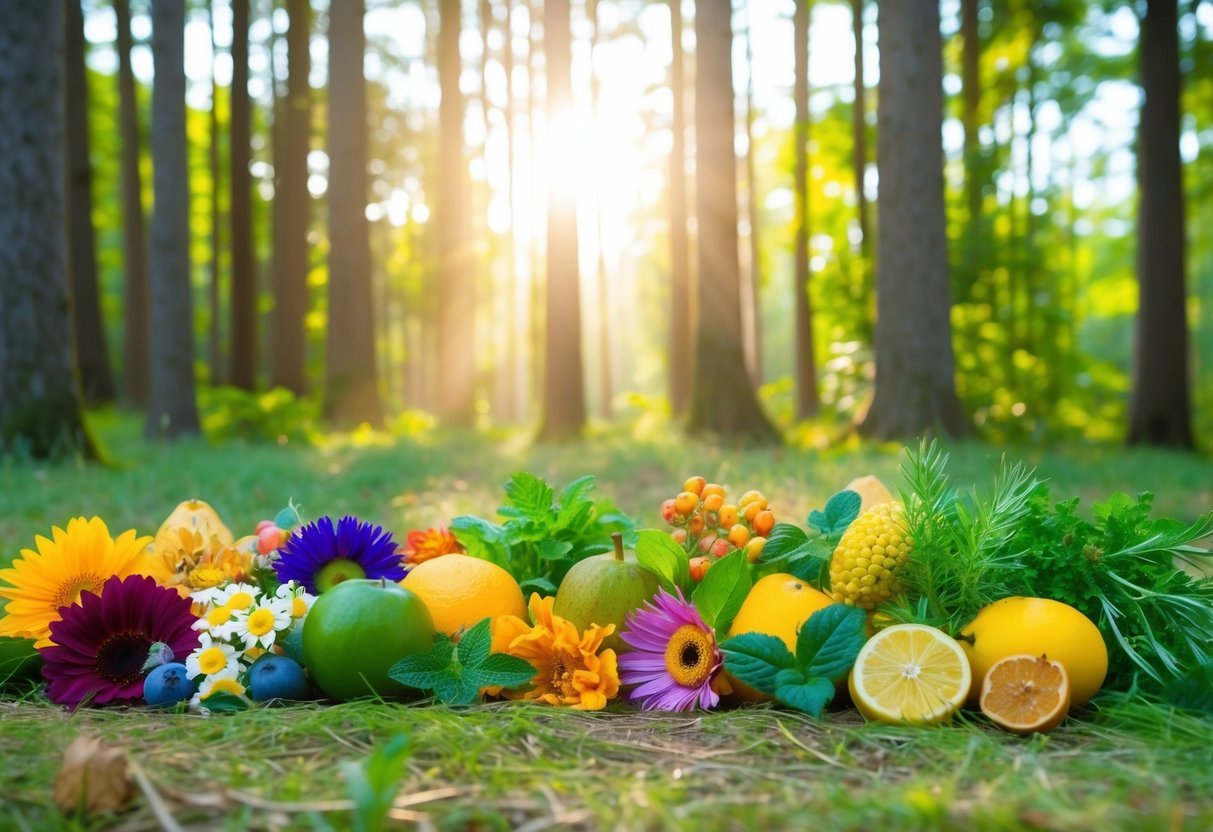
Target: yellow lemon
[
  {"x": 910, "y": 674},
  {"x": 460, "y": 591}
]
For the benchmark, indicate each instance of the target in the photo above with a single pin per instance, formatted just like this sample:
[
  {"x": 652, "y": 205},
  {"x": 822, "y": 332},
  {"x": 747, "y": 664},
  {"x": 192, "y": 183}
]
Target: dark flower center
[
  {"x": 690, "y": 655},
  {"x": 120, "y": 658}
]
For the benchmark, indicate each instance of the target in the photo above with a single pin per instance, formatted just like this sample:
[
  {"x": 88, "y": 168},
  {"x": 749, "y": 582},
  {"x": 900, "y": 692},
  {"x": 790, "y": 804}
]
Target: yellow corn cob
[{"x": 863, "y": 571}]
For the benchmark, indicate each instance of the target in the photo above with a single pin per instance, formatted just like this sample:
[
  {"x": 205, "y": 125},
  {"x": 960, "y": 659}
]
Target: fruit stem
[{"x": 618, "y": 538}]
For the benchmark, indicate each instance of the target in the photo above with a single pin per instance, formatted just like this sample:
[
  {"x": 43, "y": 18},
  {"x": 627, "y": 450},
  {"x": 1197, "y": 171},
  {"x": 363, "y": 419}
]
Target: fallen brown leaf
[{"x": 93, "y": 777}]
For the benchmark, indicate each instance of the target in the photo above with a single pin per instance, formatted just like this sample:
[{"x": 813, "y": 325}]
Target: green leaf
[
  {"x": 809, "y": 696},
  {"x": 373, "y": 783},
  {"x": 475, "y": 643},
  {"x": 657, "y": 552},
  {"x": 502, "y": 670},
  {"x": 840, "y": 511},
  {"x": 785, "y": 541},
  {"x": 457, "y": 674},
  {"x": 541, "y": 585},
  {"x": 225, "y": 703},
  {"x": 756, "y": 659},
  {"x": 554, "y": 549},
  {"x": 723, "y": 590},
  {"x": 481, "y": 538},
  {"x": 829, "y": 641},
  {"x": 425, "y": 671},
  {"x": 531, "y": 496}
]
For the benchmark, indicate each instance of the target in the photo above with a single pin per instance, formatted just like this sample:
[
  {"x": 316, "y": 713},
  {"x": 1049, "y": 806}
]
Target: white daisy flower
[
  {"x": 225, "y": 681},
  {"x": 237, "y": 596},
  {"x": 211, "y": 658},
  {"x": 217, "y": 621},
  {"x": 300, "y": 600},
  {"x": 259, "y": 625}
]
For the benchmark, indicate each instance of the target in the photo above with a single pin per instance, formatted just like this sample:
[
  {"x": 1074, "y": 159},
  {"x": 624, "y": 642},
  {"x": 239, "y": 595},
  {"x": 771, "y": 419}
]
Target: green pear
[{"x": 603, "y": 590}]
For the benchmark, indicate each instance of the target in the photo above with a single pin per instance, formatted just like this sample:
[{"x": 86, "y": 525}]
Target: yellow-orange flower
[
  {"x": 571, "y": 668},
  {"x": 72, "y": 562},
  {"x": 427, "y": 544},
  {"x": 189, "y": 561}
]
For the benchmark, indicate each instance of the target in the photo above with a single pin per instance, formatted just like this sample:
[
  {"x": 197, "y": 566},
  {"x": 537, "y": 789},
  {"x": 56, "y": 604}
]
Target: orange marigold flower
[
  {"x": 571, "y": 668},
  {"x": 427, "y": 544},
  {"x": 189, "y": 561}
]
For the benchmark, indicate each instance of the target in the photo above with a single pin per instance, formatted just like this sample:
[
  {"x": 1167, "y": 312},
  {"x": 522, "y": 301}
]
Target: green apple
[
  {"x": 603, "y": 590},
  {"x": 357, "y": 630}
]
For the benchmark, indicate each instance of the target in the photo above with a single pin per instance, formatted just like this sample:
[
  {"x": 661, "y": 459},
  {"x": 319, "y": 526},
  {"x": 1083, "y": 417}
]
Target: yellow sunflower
[
  {"x": 571, "y": 668},
  {"x": 78, "y": 560}
]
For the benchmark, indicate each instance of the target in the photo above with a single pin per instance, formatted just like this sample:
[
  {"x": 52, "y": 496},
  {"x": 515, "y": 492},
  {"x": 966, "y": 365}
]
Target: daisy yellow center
[
  {"x": 688, "y": 657},
  {"x": 260, "y": 622},
  {"x": 225, "y": 686},
  {"x": 212, "y": 660},
  {"x": 70, "y": 590},
  {"x": 219, "y": 615},
  {"x": 564, "y": 665},
  {"x": 298, "y": 608},
  {"x": 240, "y": 601},
  {"x": 205, "y": 577}
]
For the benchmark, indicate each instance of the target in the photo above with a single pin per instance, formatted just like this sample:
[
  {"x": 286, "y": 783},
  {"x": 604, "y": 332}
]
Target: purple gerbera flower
[
  {"x": 101, "y": 643},
  {"x": 673, "y": 659},
  {"x": 320, "y": 556}
]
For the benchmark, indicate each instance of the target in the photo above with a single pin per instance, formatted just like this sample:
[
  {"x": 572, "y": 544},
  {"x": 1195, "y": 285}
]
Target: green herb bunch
[{"x": 542, "y": 536}]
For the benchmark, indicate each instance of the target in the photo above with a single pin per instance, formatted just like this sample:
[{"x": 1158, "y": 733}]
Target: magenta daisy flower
[
  {"x": 320, "y": 556},
  {"x": 100, "y": 644},
  {"x": 673, "y": 659}
]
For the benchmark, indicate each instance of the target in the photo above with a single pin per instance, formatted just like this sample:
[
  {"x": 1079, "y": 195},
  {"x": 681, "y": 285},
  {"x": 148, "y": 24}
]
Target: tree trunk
[
  {"x": 806, "y": 364},
  {"x": 351, "y": 380},
  {"x": 512, "y": 351},
  {"x": 722, "y": 399},
  {"x": 682, "y": 299},
  {"x": 1160, "y": 404},
  {"x": 135, "y": 318},
  {"x": 40, "y": 406},
  {"x": 289, "y": 365},
  {"x": 92, "y": 353},
  {"x": 456, "y": 354},
  {"x": 605, "y": 387},
  {"x": 751, "y": 307},
  {"x": 171, "y": 409},
  {"x": 915, "y": 376},
  {"x": 859, "y": 161},
  {"x": 971, "y": 87},
  {"x": 214, "y": 293},
  {"x": 564, "y": 384},
  {"x": 534, "y": 13},
  {"x": 243, "y": 369}
]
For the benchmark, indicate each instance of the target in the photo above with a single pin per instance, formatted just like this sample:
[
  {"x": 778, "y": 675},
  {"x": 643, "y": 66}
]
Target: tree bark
[
  {"x": 214, "y": 293},
  {"x": 564, "y": 381},
  {"x": 605, "y": 386},
  {"x": 806, "y": 364},
  {"x": 289, "y": 363},
  {"x": 456, "y": 334},
  {"x": 40, "y": 404},
  {"x": 534, "y": 14},
  {"x": 915, "y": 376},
  {"x": 971, "y": 102},
  {"x": 682, "y": 300},
  {"x": 751, "y": 306},
  {"x": 171, "y": 409},
  {"x": 512, "y": 352},
  {"x": 243, "y": 368},
  {"x": 351, "y": 380},
  {"x": 1160, "y": 404},
  {"x": 722, "y": 400},
  {"x": 859, "y": 161},
  {"x": 135, "y": 318},
  {"x": 88, "y": 327}
]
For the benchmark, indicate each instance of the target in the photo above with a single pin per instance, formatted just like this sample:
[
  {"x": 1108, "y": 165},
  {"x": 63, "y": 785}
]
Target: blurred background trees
[{"x": 511, "y": 212}]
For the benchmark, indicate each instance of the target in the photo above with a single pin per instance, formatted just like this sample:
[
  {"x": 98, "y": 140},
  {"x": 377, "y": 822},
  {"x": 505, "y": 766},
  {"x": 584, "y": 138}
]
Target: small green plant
[
  {"x": 373, "y": 783},
  {"x": 456, "y": 673},
  {"x": 230, "y": 413}
]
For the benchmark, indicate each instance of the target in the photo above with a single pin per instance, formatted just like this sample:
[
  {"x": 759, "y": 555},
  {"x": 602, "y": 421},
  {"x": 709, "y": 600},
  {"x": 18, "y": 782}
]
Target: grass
[{"x": 1120, "y": 765}]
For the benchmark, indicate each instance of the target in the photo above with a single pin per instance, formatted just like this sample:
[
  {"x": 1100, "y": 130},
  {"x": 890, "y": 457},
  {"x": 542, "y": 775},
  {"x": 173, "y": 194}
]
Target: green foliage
[
  {"x": 723, "y": 590},
  {"x": 374, "y": 782},
  {"x": 1193, "y": 691},
  {"x": 456, "y": 674},
  {"x": 826, "y": 647},
  {"x": 543, "y": 537},
  {"x": 231, "y": 413},
  {"x": 657, "y": 552},
  {"x": 792, "y": 549}
]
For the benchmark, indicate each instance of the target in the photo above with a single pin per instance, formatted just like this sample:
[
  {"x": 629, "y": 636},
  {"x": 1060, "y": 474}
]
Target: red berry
[
  {"x": 686, "y": 502},
  {"x": 706, "y": 543},
  {"x": 721, "y": 547},
  {"x": 764, "y": 521},
  {"x": 696, "y": 524},
  {"x": 263, "y": 525},
  {"x": 680, "y": 536},
  {"x": 669, "y": 512},
  {"x": 698, "y": 568},
  {"x": 269, "y": 539}
]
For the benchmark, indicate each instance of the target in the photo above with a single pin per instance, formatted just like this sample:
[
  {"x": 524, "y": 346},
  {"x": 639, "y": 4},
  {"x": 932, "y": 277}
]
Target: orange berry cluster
[{"x": 706, "y": 523}]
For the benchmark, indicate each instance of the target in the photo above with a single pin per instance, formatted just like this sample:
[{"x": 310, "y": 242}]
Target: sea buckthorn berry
[
  {"x": 863, "y": 572},
  {"x": 753, "y": 497},
  {"x": 751, "y": 511},
  {"x": 712, "y": 488},
  {"x": 698, "y": 568},
  {"x": 669, "y": 512},
  {"x": 694, "y": 485},
  {"x": 753, "y": 549},
  {"x": 695, "y": 526},
  {"x": 711, "y": 519},
  {"x": 707, "y": 543},
  {"x": 763, "y": 522},
  {"x": 728, "y": 516},
  {"x": 713, "y": 502},
  {"x": 739, "y": 536},
  {"x": 680, "y": 536},
  {"x": 721, "y": 548},
  {"x": 686, "y": 502}
]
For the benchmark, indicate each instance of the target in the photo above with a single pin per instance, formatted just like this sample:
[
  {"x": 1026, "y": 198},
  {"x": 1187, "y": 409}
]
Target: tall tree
[
  {"x": 243, "y": 369},
  {"x": 971, "y": 101},
  {"x": 564, "y": 381},
  {"x": 213, "y": 288},
  {"x": 605, "y": 386},
  {"x": 512, "y": 352},
  {"x": 87, "y": 326},
  {"x": 171, "y": 407},
  {"x": 915, "y": 377},
  {"x": 682, "y": 298},
  {"x": 1160, "y": 404},
  {"x": 806, "y": 364},
  {"x": 40, "y": 406},
  {"x": 722, "y": 399},
  {"x": 288, "y": 366},
  {"x": 136, "y": 321},
  {"x": 456, "y": 333},
  {"x": 859, "y": 161},
  {"x": 351, "y": 394},
  {"x": 751, "y": 278}
]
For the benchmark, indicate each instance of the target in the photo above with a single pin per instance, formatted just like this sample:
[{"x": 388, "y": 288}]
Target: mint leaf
[
  {"x": 225, "y": 703},
  {"x": 808, "y": 696},
  {"x": 530, "y": 496},
  {"x": 541, "y": 585},
  {"x": 481, "y": 538},
  {"x": 498, "y": 669},
  {"x": 723, "y": 590},
  {"x": 785, "y": 541},
  {"x": 425, "y": 671},
  {"x": 456, "y": 674},
  {"x": 554, "y": 549},
  {"x": 840, "y": 511},
  {"x": 756, "y": 659},
  {"x": 475, "y": 643},
  {"x": 576, "y": 503},
  {"x": 829, "y": 641},
  {"x": 657, "y": 552}
]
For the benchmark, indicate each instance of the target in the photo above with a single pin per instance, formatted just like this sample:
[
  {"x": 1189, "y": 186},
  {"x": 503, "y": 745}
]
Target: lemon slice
[{"x": 910, "y": 674}]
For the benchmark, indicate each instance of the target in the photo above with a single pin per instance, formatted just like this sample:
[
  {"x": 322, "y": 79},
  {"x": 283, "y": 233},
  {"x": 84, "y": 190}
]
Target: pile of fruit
[{"x": 909, "y": 609}]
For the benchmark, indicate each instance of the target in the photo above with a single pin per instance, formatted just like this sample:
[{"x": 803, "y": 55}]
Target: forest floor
[{"x": 1120, "y": 764}]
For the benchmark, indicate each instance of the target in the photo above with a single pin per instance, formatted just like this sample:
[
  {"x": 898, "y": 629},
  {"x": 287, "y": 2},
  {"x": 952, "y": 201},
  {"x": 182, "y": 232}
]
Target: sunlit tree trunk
[
  {"x": 39, "y": 393},
  {"x": 243, "y": 368},
  {"x": 135, "y": 319},
  {"x": 87, "y": 325},
  {"x": 536, "y": 306},
  {"x": 456, "y": 333},
  {"x": 859, "y": 162},
  {"x": 564, "y": 384},
  {"x": 915, "y": 377},
  {"x": 722, "y": 399},
  {"x": 214, "y": 294},
  {"x": 806, "y": 364},
  {"x": 512, "y": 352},
  {"x": 751, "y": 308},
  {"x": 1160, "y": 404},
  {"x": 171, "y": 407},
  {"x": 351, "y": 391},
  {"x": 682, "y": 299},
  {"x": 289, "y": 364},
  {"x": 605, "y": 387}
]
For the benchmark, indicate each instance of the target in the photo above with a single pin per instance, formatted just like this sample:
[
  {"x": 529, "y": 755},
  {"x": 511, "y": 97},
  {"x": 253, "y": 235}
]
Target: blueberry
[
  {"x": 277, "y": 677},
  {"x": 167, "y": 685}
]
